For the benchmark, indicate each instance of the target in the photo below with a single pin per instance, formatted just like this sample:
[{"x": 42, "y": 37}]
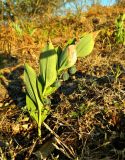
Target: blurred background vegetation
[
  {"x": 25, "y": 24},
  {"x": 14, "y": 9}
]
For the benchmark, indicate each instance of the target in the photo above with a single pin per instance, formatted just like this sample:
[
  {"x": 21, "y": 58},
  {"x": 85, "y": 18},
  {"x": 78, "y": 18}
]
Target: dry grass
[{"x": 88, "y": 111}]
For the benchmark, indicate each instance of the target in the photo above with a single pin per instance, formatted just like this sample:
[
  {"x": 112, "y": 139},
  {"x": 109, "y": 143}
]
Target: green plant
[
  {"x": 65, "y": 76},
  {"x": 57, "y": 84},
  {"x": 1, "y": 76},
  {"x": 79, "y": 112},
  {"x": 53, "y": 62},
  {"x": 17, "y": 28},
  {"x": 120, "y": 29},
  {"x": 72, "y": 70},
  {"x": 30, "y": 30},
  {"x": 117, "y": 72}
]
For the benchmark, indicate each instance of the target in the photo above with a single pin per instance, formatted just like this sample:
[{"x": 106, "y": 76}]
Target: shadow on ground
[
  {"x": 11, "y": 81},
  {"x": 6, "y": 60}
]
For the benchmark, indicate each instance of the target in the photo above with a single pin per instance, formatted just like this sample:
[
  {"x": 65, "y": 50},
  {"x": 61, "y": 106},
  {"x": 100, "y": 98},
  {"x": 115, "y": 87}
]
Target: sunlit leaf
[
  {"x": 48, "y": 67},
  {"x": 86, "y": 44},
  {"x": 67, "y": 58},
  {"x": 30, "y": 81},
  {"x": 40, "y": 87},
  {"x": 33, "y": 111},
  {"x": 45, "y": 113},
  {"x": 50, "y": 90}
]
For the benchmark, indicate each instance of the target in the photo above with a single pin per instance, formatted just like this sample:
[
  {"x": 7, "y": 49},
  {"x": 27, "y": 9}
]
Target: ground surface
[{"x": 88, "y": 111}]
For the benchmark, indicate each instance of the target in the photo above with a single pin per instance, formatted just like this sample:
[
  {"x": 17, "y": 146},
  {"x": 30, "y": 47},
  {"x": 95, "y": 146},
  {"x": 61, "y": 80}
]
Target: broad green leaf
[
  {"x": 45, "y": 113},
  {"x": 67, "y": 58},
  {"x": 40, "y": 87},
  {"x": 48, "y": 65},
  {"x": 86, "y": 44},
  {"x": 59, "y": 52},
  {"x": 38, "y": 116},
  {"x": 30, "y": 81},
  {"x": 49, "y": 46},
  {"x": 50, "y": 90},
  {"x": 32, "y": 108},
  {"x": 33, "y": 102}
]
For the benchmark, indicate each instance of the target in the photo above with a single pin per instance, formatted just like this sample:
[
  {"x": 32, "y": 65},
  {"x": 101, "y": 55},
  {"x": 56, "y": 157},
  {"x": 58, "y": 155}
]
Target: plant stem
[{"x": 39, "y": 120}]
